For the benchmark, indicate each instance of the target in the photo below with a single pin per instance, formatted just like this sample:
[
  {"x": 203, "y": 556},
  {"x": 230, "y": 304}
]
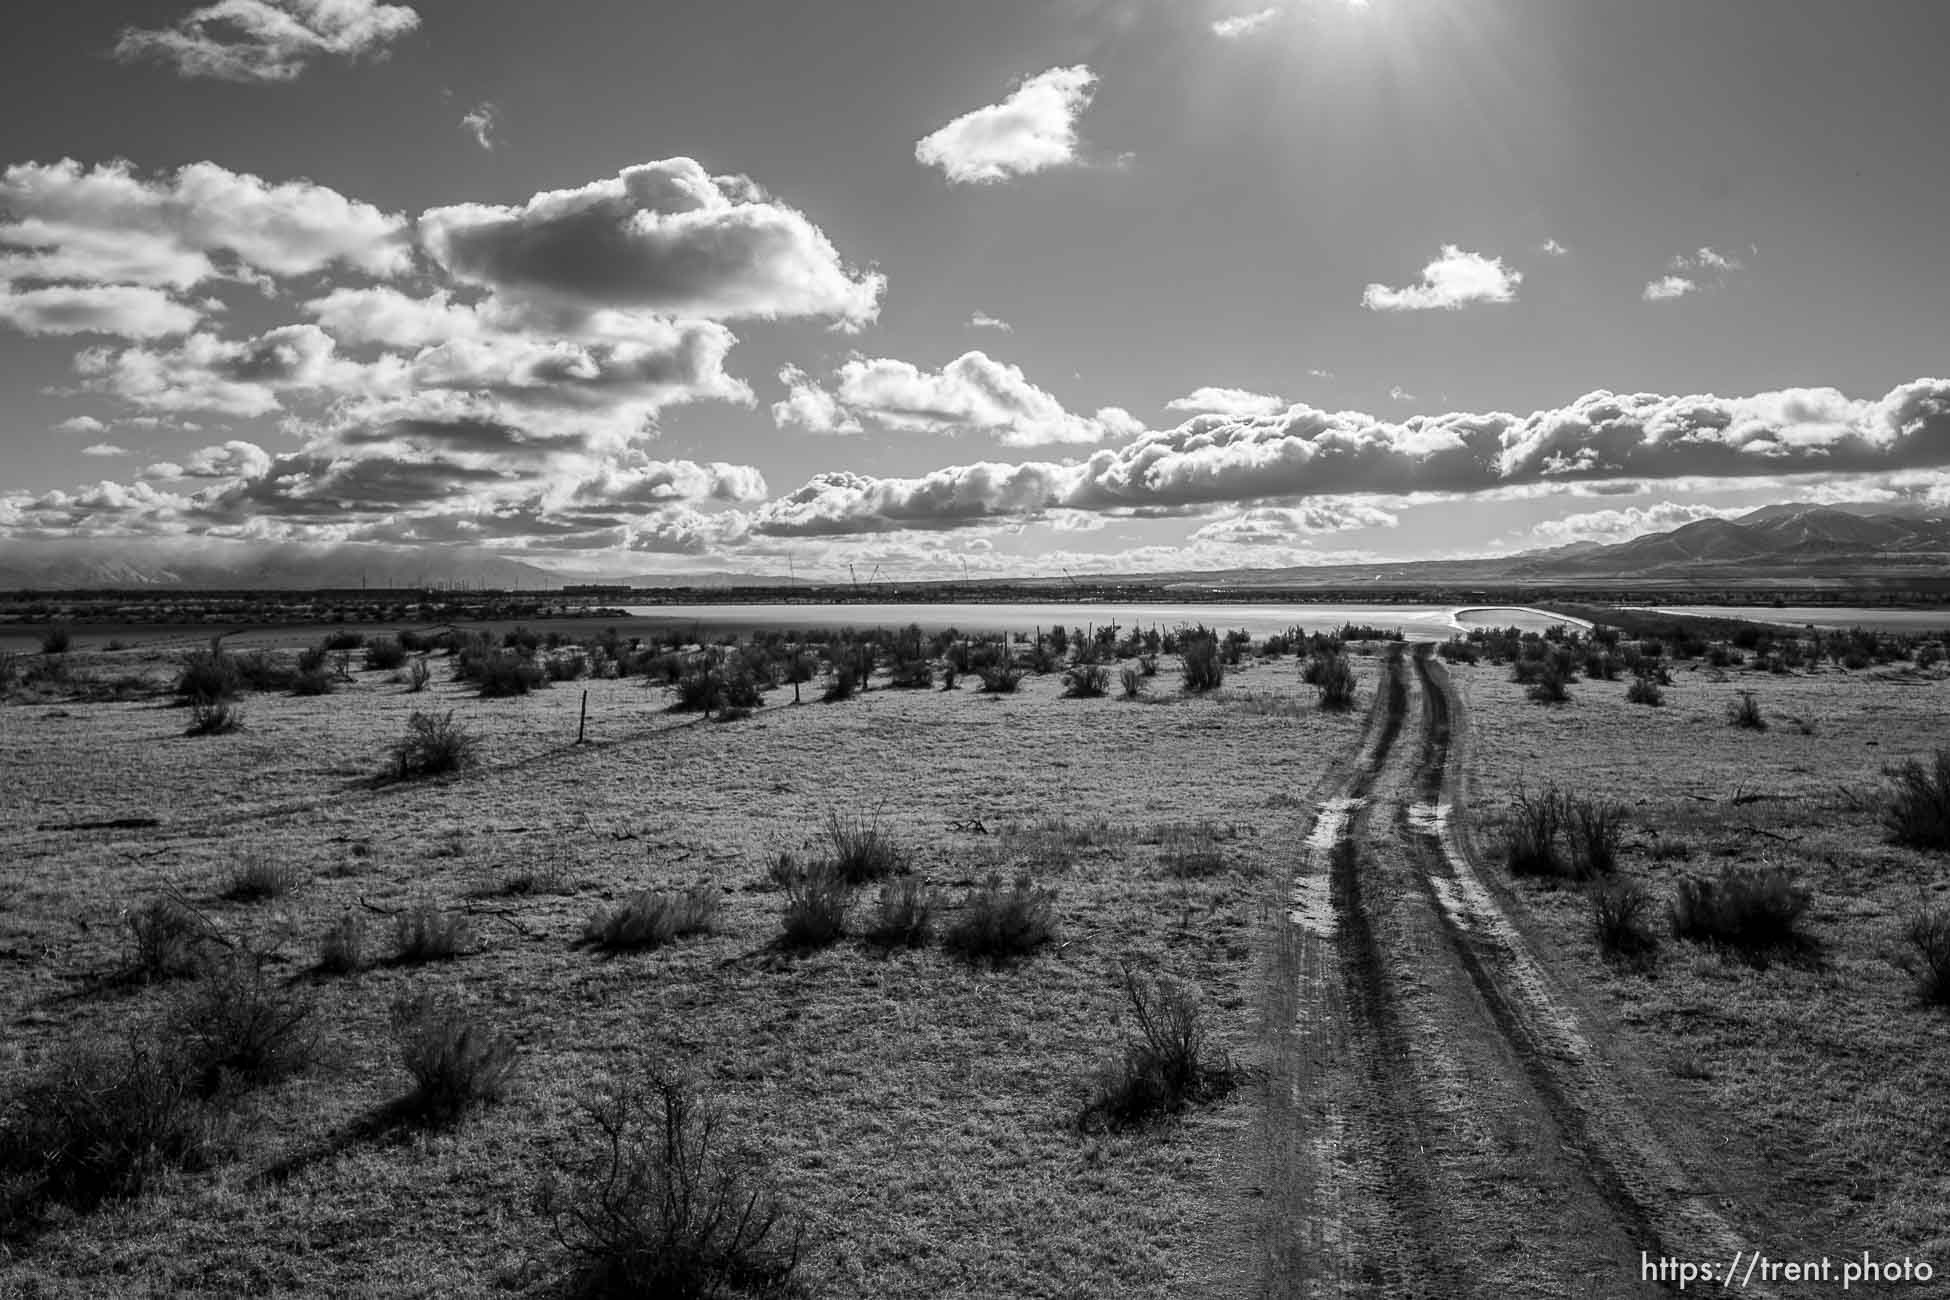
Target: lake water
[
  {"x": 1417, "y": 622},
  {"x": 1825, "y": 616}
]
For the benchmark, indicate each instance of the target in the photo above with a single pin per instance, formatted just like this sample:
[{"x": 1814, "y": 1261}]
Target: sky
[{"x": 618, "y": 288}]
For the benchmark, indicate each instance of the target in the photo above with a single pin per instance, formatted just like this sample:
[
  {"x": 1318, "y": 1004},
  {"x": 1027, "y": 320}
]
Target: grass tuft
[
  {"x": 1620, "y": 917},
  {"x": 653, "y": 918},
  {"x": 905, "y": 914},
  {"x": 424, "y": 933},
  {"x": 1928, "y": 933},
  {"x": 457, "y": 1062},
  {"x": 1917, "y": 813},
  {"x": 342, "y": 950},
  {"x": 862, "y": 848},
  {"x": 1750, "y": 909},
  {"x": 1746, "y": 714},
  {"x": 998, "y": 924},
  {"x": 817, "y": 901}
]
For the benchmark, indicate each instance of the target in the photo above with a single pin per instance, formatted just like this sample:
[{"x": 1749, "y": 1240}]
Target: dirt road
[{"x": 1444, "y": 1123}]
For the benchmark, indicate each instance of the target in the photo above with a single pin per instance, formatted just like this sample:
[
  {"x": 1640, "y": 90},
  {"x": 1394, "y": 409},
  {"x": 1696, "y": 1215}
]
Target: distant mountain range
[
  {"x": 1782, "y": 543},
  {"x": 1779, "y": 541}
]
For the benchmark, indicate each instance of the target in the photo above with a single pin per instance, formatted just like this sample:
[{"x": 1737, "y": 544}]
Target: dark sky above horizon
[{"x": 620, "y": 287}]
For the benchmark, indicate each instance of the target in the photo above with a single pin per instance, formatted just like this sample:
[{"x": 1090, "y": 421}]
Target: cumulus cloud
[
  {"x": 80, "y": 424},
  {"x": 127, "y": 310},
  {"x": 107, "y": 225},
  {"x": 480, "y": 122},
  {"x": 1455, "y": 279},
  {"x": 240, "y": 378},
  {"x": 811, "y": 407},
  {"x": 383, "y": 315},
  {"x": 971, "y": 394},
  {"x": 104, "y": 449},
  {"x": 664, "y": 237},
  {"x": 1032, "y": 130},
  {"x": 1304, "y": 454},
  {"x": 981, "y": 320},
  {"x": 1284, "y": 525},
  {"x": 1243, "y": 24},
  {"x": 1228, "y": 401},
  {"x": 1396, "y": 393},
  {"x": 267, "y": 40},
  {"x": 1691, "y": 273}
]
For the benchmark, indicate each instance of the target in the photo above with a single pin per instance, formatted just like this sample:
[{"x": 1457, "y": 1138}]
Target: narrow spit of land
[{"x": 1464, "y": 1135}]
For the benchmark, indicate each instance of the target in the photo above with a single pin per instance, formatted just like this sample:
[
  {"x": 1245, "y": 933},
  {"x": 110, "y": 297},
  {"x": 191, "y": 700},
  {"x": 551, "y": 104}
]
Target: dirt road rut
[{"x": 1440, "y": 1121}]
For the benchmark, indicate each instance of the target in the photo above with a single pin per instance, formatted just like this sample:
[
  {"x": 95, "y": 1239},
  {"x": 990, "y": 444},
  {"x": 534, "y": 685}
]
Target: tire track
[
  {"x": 1449, "y": 1114},
  {"x": 1652, "y": 1201}
]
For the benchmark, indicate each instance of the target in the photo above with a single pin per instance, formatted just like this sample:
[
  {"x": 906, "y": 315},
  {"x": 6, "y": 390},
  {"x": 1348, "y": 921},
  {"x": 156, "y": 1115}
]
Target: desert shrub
[
  {"x": 1133, "y": 683},
  {"x": 1645, "y": 690},
  {"x": 206, "y": 677},
  {"x": 1334, "y": 679},
  {"x": 1746, "y": 713},
  {"x": 261, "y": 670},
  {"x": 312, "y": 681},
  {"x": 1191, "y": 851},
  {"x": 862, "y": 848},
  {"x": 259, "y": 878},
  {"x": 997, "y": 924},
  {"x": 1917, "y": 811},
  {"x": 948, "y": 676},
  {"x": 1551, "y": 685},
  {"x": 904, "y": 916},
  {"x": 911, "y": 674},
  {"x": 1620, "y": 912},
  {"x": 9, "y": 669},
  {"x": 218, "y": 717},
  {"x": 56, "y": 639},
  {"x": 652, "y": 918},
  {"x": 96, "y": 1125},
  {"x": 1747, "y": 908},
  {"x": 1202, "y": 669},
  {"x": 842, "y": 687},
  {"x": 168, "y": 940},
  {"x": 503, "y": 675},
  {"x": 1601, "y": 666},
  {"x": 457, "y": 1062},
  {"x": 566, "y": 667},
  {"x": 342, "y": 950},
  {"x": 240, "y": 1027},
  {"x": 1001, "y": 678},
  {"x": 817, "y": 901},
  {"x": 418, "y": 675},
  {"x": 1086, "y": 681},
  {"x": 385, "y": 654},
  {"x": 434, "y": 743},
  {"x": 336, "y": 641},
  {"x": 422, "y": 932},
  {"x": 1594, "y": 828},
  {"x": 1928, "y": 933},
  {"x": 1169, "y": 1066},
  {"x": 1456, "y": 650},
  {"x": 1536, "y": 823},
  {"x": 1148, "y": 665},
  {"x": 656, "y": 1208}
]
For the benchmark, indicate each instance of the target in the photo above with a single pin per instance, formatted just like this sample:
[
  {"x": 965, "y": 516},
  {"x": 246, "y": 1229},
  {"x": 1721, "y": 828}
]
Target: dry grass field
[
  {"x": 1816, "y": 1082},
  {"x": 1440, "y": 1077},
  {"x": 916, "y": 1111}
]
